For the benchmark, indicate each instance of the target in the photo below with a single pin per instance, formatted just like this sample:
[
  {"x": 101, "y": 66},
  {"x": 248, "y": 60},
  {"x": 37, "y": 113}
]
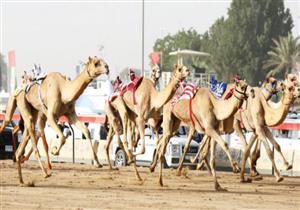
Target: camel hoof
[
  {"x": 161, "y": 183},
  {"x": 99, "y": 166},
  {"x": 55, "y": 151},
  {"x": 29, "y": 184},
  {"x": 47, "y": 176},
  {"x": 114, "y": 169},
  {"x": 178, "y": 172},
  {"x": 279, "y": 179},
  {"x": 257, "y": 178},
  {"x": 247, "y": 180},
  {"x": 152, "y": 168},
  {"x": 235, "y": 168},
  {"x": 130, "y": 162},
  {"x": 221, "y": 189},
  {"x": 289, "y": 167},
  {"x": 254, "y": 174}
]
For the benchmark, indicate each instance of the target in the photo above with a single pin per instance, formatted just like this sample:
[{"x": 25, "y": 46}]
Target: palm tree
[{"x": 284, "y": 56}]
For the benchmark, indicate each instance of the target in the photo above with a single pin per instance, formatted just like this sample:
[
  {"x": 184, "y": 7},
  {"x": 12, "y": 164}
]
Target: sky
[{"x": 61, "y": 34}]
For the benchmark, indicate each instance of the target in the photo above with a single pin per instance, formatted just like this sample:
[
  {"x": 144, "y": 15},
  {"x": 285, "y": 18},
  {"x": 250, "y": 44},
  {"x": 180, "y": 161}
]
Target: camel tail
[{"x": 10, "y": 110}]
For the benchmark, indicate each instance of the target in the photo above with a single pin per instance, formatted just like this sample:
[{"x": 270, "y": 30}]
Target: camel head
[
  {"x": 241, "y": 90},
  {"x": 290, "y": 91},
  {"x": 155, "y": 72},
  {"x": 292, "y": 79},
  {"x": 96, "y": 67},
  {"x": 180, "y": 72}
]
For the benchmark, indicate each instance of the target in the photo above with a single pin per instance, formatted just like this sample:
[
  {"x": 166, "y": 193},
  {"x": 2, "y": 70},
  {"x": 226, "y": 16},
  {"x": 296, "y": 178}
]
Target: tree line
[{"x": 253, "y": 41}]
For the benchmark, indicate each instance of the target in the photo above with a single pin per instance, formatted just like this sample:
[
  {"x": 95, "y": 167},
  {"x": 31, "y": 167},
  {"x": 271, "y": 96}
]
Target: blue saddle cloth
[{"x": 217, "y": 88}]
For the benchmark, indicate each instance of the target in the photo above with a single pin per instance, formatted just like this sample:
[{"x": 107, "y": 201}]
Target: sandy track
[{"x": 84, "y": 187}]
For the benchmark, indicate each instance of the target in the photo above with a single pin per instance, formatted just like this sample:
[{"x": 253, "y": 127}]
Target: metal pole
[{"x": 143, "y": 34}]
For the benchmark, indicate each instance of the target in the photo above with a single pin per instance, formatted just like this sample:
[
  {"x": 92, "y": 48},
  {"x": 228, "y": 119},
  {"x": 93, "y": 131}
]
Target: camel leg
[
  {"x": 202, "y": 145},
  {"x": 155, "y": 156},
  {"x": 19, "y": 154},
  {"x": 245, "y": 157},
  {"x": 203, "y": 159},
  {"x": 164, "y": 142},
  {"x": 77, "y": 123},
  {"x": 14, "y": 134},
  {"x": 41, "y": 125},
  {"x": 52, "y": 123},
  {"x": 262, "y": 136},
  {"x": 141, "y": 127},
  {"x": 254, "y": 157},
  {"x": 224, "y": 146},
  {"x": 29, "y": 121},
  {"x": 186, "y": 147},
  {"x": 213, "y": 166},
  {"x": 109, "y": 139},
  {"x": 278, "y": 149},
  {"x": 206, "y": 163}
]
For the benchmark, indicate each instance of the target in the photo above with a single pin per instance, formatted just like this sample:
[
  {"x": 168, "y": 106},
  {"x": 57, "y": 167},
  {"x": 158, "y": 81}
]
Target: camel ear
[
  {"x": 90, "y": 59},
  {"x": 267, "y": 79},
  {"x": 252, "y": 93},
  {"x": 286, "y": 75},
  {"x": 176, "y": 66}
]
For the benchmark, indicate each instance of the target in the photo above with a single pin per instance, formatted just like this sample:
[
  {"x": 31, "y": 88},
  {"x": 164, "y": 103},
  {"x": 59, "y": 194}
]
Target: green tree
[
  {"x": 3, "y": 73},
  {"x": 189, "y": 39},
  {"x": 283, "y": 56},
  {"x": 239, "y": 44}
]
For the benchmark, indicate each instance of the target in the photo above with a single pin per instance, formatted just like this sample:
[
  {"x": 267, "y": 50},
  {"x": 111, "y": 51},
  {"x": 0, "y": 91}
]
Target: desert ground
[{"x": 77, "y": 186}]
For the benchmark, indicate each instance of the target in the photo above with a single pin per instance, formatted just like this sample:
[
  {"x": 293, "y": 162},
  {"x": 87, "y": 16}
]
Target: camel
[
  {"x": 227, "y": 126},
  {"x": 149, "y": 105},
  {"x": 209, "y": 112},
  {"x": 116, "y": 111},
  {"x": 290, "y": 79},
  {"x": 55, "y": 97},
  {"x": 149, "y": 101},
  {"x": 18, "y": 100},
  {"x": 260, "y": 117}
]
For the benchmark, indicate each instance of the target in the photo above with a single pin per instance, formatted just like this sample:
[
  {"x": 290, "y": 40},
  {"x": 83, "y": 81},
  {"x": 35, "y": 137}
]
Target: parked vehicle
[
  {"x": 173, "y": 152},
  {"x": 6, "y": 144}
]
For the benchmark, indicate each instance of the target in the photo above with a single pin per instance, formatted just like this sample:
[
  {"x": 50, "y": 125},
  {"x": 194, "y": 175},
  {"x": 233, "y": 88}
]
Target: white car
[{"x": 173, "y": 152}]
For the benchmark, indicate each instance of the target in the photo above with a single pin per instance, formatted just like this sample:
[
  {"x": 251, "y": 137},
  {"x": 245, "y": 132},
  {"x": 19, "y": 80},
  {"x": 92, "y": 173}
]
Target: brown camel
[
  {"x": 18, "y": 100},
  {"x": 149, "y": 101},
  {"x": 117, "y": 113},
  {"x": 209, "y": 112},
  {"x": 227, "y": 126},
  {"x": 260, "y": 117},
  {"x": 290, "y": 79},
  {"x": 55, "y": 97}
]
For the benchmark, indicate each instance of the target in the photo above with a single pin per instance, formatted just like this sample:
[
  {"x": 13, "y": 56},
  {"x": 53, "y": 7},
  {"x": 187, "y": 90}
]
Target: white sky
[{"x": 57, "y": 34}]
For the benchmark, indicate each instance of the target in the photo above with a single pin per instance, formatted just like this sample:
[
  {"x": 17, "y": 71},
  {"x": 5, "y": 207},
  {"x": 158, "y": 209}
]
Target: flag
[
  {"x": 155, "y": 58},
  {"x": 12, "y": 59}
]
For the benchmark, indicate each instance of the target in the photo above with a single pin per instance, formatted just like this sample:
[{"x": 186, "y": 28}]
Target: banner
[
  {"x": 155, "y": 58},
  {"x": 11, "y": 59}
]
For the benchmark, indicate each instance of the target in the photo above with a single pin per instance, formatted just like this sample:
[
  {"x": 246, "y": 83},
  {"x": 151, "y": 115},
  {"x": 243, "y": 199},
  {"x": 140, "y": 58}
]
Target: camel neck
[
  {"x": 276, "y": 114},
  {"x": 223, "y": 109},
  {"x": 77, "y": 86},
  {"x": 162, "y": 97}
]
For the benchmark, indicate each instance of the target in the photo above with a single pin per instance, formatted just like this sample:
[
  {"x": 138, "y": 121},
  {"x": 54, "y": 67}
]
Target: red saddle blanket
[{"x": 131, "y": 86}]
